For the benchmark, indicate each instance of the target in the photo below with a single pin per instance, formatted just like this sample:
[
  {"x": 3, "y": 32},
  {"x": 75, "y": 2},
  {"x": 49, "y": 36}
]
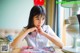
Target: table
[
  {"x": 69, "y": 49},
  {"x": 17, "y": 50}
]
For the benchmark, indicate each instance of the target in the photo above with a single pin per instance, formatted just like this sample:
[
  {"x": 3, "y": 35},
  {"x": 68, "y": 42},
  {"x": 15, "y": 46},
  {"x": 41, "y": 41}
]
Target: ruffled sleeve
[{"x": 48, "y": 29}]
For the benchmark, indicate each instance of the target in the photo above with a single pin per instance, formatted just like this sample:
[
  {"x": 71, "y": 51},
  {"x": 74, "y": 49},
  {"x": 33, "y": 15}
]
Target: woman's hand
[
  {"x": 37, "y": 29},
  {"x": 32, "y": 29},
  {"x": 40, "y": 30}
]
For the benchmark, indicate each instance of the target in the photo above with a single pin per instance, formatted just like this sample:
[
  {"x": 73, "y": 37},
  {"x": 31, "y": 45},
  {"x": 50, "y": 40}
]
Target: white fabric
[{"x": 37, "y": 40}]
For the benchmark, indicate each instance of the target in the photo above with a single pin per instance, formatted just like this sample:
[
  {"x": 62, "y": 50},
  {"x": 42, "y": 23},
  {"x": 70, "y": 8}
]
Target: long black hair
[{"x": 36, "y": 10}]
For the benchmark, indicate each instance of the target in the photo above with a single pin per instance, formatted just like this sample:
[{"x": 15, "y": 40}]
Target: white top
[{"x": 38, "y": 40}]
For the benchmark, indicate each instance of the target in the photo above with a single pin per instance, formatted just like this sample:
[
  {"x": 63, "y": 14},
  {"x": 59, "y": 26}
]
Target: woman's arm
[
  {"x": 51, "y": 36},
  {"x": 20, "y": 37},
  {"x": 54, "y": 39}
]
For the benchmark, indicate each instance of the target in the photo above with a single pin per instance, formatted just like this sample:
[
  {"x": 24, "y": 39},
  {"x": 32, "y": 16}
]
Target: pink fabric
[{"x": 29, "y": 49}]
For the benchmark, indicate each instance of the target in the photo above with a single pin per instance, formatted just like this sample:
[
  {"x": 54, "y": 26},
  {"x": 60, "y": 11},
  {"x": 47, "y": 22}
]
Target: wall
[{"x": 14, "y": 13}]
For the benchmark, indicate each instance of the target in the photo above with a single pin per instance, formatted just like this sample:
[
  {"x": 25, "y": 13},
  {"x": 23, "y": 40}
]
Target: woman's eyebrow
[{"x": 37, "y": 16}]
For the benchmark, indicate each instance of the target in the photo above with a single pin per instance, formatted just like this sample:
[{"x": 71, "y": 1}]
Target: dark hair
[{"x": 36, "y": 10}]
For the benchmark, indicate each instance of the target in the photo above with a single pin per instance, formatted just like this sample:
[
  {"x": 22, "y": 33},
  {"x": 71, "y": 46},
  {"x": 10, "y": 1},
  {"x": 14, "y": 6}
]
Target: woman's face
[{"x": 39, "y": 20}]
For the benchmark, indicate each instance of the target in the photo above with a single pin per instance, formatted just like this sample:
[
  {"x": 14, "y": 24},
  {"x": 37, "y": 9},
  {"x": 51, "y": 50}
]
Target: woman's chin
[{"x": 39, "y": 26}]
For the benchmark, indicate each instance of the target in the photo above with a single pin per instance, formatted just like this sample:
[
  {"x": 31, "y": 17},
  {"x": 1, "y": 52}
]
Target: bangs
[
  {"x": 40, "y": 15},
  {"x": 38, "y": 10}
]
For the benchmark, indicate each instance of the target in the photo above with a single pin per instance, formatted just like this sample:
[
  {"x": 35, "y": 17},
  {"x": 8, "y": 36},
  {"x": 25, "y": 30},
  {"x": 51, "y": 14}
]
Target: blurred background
[{"x": 14, "y": 16}]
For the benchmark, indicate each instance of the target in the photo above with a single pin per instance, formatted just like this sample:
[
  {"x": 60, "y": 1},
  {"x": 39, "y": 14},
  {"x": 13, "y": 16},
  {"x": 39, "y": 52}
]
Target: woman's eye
[
  {"x": 37, "y": 19},
  {"x": 43, "y": 18}
]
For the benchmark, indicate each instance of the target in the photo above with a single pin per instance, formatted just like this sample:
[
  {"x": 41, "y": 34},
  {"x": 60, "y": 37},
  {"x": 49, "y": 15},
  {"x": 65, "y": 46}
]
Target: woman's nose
[{"x": 40, "y": 21}]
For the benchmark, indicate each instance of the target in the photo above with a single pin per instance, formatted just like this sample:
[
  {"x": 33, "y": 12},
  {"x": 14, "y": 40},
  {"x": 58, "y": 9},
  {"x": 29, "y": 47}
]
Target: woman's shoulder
[
  {"x": 48, "y": 29},
  {"x": 46, "y": 26}
]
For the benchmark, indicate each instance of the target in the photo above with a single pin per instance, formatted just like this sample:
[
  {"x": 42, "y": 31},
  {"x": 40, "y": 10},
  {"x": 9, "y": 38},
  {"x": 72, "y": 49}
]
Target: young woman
[{"x": 36, "y": 33}]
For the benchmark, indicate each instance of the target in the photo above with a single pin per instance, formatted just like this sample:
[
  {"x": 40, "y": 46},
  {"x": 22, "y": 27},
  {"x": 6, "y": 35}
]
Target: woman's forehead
[{"x": 40, "y": 16}]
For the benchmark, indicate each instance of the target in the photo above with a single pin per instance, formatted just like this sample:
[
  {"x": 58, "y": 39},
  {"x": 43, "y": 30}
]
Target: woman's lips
[{"x": 38, "y": 25}]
